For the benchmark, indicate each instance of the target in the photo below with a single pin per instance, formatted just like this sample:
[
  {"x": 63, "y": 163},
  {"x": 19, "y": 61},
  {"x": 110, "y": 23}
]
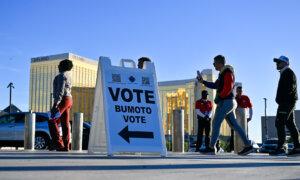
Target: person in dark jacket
[
  {"x": 60, "y": 111},
  {"x": 286, "y": 98},
  {"x": 225, "y": 105}
]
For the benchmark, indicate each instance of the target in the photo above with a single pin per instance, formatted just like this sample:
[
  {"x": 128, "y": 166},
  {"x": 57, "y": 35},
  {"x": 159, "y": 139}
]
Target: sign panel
[{"x": 131, "y": 108}]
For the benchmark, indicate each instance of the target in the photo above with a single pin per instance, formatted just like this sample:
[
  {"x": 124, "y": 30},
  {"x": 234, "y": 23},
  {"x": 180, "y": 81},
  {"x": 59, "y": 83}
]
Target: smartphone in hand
[{"x": 199, "y": 76}]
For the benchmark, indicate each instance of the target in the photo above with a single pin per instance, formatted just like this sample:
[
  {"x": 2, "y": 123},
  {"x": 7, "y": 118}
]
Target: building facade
[
  {"x": 42, "y": 72},
  {"x": 182, "y": 94}
]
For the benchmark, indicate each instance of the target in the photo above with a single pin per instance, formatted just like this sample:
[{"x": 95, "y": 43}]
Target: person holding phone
[{"x": 225, "y": 104}]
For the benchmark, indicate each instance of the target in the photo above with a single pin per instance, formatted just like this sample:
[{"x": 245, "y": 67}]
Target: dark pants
[
  {"x": 203, "y": 124},
  {"x": 286, "y": 117},
  {"x": 231, "y": 143},
  {"x": 64, "y": 109}
]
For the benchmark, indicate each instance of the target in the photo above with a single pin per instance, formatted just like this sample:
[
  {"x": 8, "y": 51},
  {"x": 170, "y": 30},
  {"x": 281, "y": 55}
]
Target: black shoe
[
  {"x": 62, "y": 149},
  {"x": 52, "y": 148},
  {"x": 209, "y": 151},
  {"x": 278, "y": 152},
  {"x": 294, "y": 151},
  {"x": 246, "y": 151},
  {"x": 202, "y": 150}
]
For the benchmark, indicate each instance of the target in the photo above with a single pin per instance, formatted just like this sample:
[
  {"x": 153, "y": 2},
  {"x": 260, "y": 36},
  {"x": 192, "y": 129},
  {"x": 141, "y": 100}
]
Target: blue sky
[{"x": 179, "y": 36}]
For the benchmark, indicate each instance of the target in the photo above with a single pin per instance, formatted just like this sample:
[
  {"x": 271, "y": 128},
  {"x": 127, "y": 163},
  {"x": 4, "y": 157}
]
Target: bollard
[
  {"x": 77, "y": 129},
  {"x": 242, "y": 121},
  {"x": 29, "y": 131},
  {"x": 178, "y": 131}
]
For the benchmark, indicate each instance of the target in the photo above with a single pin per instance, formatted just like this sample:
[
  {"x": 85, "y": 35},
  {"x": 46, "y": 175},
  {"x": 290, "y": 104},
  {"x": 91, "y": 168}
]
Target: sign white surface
[{"x": 131, "y": 110}]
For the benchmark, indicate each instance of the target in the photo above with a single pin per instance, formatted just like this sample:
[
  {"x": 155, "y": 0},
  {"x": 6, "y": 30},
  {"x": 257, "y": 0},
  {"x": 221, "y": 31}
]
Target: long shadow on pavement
[
  {"x": 20, "y": 156},
  {"x": 146, "y": 167},
  {"x": 171, "y": 156}
]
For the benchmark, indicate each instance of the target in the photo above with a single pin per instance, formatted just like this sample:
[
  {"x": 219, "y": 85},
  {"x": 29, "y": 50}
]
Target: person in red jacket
[
  {"x": 243, "y": 101},
  {"x": 225, "y": 104},
  {"x": 203, "y": 108},
  {"x": 243, "y": 104}
]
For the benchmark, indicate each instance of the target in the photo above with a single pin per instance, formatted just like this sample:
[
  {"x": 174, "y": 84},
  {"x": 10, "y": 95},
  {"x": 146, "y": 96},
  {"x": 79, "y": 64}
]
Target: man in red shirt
[
  {"x": 203, "y": 108},
  {"x": 243, "y": 103}
]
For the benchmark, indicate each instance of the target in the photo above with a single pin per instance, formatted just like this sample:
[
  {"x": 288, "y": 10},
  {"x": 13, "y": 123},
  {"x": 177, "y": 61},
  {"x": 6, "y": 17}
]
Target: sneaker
[
  {"x": 202, "y": 150},
  {"x": 62, "y": 149},
  {"x": 294, "y": 151},
  {"x": 278, "y": 152},
  {"x": 209, "y": 151},
  {"x": 247, "y": 150},
  {"x": 52, "y": 148}
]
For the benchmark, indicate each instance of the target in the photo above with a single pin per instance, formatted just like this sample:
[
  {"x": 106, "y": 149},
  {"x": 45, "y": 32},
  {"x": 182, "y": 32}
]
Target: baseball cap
[{"x": 282, "y": 59}]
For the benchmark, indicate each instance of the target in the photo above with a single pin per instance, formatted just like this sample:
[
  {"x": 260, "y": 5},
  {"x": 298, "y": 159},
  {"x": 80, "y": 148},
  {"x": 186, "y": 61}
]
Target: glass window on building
[{"x": 177, "y": 100}]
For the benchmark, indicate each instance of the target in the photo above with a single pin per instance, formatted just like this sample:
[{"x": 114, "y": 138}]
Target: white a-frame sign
[{"x": 126, "y": 115}]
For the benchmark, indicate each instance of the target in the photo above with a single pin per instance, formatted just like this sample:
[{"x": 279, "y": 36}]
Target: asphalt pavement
[{"x": 80, "y": 165}]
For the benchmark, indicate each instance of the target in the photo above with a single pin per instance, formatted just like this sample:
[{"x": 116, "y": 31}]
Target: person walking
[
  {"x": 243, "y": 104},
  {"x": 203, "y": 108},
  {"x": 225, "y": 104},
  {"x": 60, "y": 111},
  {"x": 286, "y": 98}
]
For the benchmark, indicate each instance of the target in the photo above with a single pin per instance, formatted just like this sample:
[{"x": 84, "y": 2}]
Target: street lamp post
[
  {"x": 266, "y": 127},
  {"x": 51, "y": 97},
  {"x": 10, "y": 86}
]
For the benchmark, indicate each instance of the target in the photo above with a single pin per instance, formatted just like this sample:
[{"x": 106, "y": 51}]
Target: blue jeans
[{"x": 225, "y": 110}]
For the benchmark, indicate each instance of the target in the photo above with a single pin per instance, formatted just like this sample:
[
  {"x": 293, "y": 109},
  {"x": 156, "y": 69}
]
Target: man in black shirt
[{"x": 286, "y": 98}]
